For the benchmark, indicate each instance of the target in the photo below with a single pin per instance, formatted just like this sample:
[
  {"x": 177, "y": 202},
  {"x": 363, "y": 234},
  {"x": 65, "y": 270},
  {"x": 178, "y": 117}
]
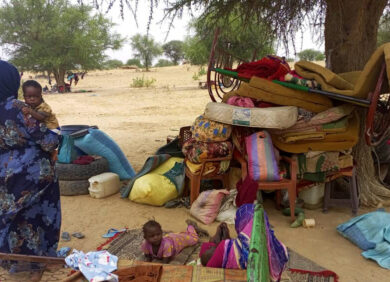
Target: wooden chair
[
  {"x": 285, "y": 183},
  {"x": 195, "y": 178}
]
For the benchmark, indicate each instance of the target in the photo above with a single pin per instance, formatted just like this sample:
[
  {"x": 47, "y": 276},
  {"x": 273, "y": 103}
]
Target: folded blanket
[
  {"x": 314, "y": 132},
  {"x": 341, "y": 84},
  {"x": 332, "y": 141},
  {"x": 268, "y": 91},
  {"x": 371, "y": 233}
]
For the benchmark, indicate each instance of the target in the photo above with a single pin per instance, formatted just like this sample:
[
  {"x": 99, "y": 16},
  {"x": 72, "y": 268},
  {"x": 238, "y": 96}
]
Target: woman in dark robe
[{"x": 30, "y": 212}]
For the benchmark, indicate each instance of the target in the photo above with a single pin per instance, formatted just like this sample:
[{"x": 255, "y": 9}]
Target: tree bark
[
  {"x": 350, "y": 39},
  {"x": 351, "y": 29},
  {"x": 59, "y": 75}
]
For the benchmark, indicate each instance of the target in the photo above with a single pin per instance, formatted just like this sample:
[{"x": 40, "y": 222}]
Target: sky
[{"x": 127, "y": 28}]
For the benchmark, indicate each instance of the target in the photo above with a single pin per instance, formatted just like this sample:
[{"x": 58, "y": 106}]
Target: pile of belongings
[{"x": 315, "y": 130}]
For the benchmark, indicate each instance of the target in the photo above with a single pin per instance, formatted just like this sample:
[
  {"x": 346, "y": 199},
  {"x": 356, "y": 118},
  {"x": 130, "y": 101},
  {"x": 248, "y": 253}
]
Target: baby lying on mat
[{"x": 165, "y": 248}]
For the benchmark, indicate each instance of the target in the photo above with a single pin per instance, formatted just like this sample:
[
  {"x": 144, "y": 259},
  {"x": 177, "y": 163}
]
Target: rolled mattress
[{"x": 274, "y": 117}]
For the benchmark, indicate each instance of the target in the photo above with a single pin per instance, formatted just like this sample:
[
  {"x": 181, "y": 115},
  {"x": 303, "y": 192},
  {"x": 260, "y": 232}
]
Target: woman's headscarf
[{"x": 9, "y": 81}]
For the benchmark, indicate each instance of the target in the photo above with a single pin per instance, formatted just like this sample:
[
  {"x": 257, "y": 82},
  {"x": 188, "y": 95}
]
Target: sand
[{"x": 140, "y": 120}]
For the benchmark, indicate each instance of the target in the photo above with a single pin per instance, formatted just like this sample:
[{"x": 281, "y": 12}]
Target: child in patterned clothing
[
  {"x": 37, "y": 108},
  {"x": 165, "y": 248}
]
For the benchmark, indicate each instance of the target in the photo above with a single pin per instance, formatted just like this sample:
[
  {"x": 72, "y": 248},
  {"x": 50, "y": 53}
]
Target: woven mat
[{"x": 128, "y": 246}]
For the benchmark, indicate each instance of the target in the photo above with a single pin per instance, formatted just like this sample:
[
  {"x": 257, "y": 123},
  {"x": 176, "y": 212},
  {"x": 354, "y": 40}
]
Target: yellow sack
[{"x": 154, "y": 188}]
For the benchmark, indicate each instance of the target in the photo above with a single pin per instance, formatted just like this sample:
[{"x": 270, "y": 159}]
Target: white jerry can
[{"x": 104, "y": 185}]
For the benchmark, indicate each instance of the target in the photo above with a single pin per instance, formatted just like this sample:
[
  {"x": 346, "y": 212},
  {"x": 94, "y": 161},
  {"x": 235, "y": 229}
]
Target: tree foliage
[
  {"x": 164, "y": 63},
  {"x": 134, "y": 62},
  {"x": 146, "y": 49},
  {"x": 174, "y": 50},
  {"x": 55, "y": 36},
  {"x": 311, "y": 55},
  {"x": 112, "y": 64},
  {"x": 253, "y": 42}
]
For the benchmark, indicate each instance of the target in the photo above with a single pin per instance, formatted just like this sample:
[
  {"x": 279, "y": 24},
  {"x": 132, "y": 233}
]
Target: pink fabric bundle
[
  {"x": 238, "y": 101},
  {"x": 206, "y": 206}
]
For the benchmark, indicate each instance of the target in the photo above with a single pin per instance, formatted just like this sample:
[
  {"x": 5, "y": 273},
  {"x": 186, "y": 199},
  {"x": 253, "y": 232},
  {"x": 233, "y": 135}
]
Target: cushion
[
  {"x": 273, "y": 117},
  {"x": 262, "y": 162},
  {"x": 206, "y": 130},
  {"x": 99, "y": 143},
  {"x": 206, "y": 206}
]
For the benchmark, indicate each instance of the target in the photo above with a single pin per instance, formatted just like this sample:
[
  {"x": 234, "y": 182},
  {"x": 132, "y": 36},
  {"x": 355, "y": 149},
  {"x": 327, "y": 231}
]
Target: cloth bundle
[
  {"x": 196, "y": 151},
  {"x": 269, "y": 67},
  {"x": 332, "y": 130}
]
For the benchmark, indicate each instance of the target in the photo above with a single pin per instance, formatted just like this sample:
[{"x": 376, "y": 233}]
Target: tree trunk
[
  {"x": 350, "y": 39},
  {"x": 59, "y": 75},
  {"x": 351, "y": 29}
]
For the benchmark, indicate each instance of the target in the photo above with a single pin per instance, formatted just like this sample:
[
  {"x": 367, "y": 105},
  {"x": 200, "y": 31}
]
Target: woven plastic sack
[
  {"x": 262, "y": 162},
  {"x": 206, "y": 206},
  {"x": 99, "y": 143},
  {"x": 206, "y": 130}
]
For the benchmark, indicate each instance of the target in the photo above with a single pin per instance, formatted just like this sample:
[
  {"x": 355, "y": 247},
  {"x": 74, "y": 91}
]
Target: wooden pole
[{"x": 39, "y": 259}]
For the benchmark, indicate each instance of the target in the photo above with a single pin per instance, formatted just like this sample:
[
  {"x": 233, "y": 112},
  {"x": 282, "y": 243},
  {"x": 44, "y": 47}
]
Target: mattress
[{"x": 274, "y": 117}]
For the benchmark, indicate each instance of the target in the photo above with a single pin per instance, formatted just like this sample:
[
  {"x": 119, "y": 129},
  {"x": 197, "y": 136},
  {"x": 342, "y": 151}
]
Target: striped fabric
[{"x": 262, "y": 163}]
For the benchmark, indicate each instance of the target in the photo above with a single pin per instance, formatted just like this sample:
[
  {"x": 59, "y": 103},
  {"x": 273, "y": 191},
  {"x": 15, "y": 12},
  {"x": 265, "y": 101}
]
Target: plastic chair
[
  {"x": 195, "y": 178},
  {"x": 285, "y": 183}
]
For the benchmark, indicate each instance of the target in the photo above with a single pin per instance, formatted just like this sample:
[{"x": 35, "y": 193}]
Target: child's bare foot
[{"x": 201, "y": 232}]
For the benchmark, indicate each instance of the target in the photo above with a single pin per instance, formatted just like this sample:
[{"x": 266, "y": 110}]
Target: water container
[
  {"x": 104, "y": 185},
  {"x": 69, "y": 129},
  {"x": 313, "y": 196}
]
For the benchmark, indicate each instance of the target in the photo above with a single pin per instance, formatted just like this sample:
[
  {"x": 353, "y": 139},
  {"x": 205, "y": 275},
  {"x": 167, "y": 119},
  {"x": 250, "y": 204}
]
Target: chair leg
[
  {"x": 353, "y": 193},
  {"x": 328, "y": 188},
  {"x": 195, "y": 188},
  {"x": 225, "y": 181},
  {"x": 292, "y": 197},
  {"x": 278, "y": 196}
]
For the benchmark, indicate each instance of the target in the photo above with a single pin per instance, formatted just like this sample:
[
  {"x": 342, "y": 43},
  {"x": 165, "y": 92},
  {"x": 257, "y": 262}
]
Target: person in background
[{"x": 30, "y": 210}]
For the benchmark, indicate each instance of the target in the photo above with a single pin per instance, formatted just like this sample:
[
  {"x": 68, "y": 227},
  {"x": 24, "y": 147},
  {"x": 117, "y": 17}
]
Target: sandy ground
[{"x": 140, "y": 120}]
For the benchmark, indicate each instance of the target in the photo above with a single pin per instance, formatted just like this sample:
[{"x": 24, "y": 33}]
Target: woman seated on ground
[{"x": 224, "y": 252}]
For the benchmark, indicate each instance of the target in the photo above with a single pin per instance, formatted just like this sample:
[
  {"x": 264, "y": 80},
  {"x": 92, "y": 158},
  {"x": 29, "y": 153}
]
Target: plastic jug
[{"x": 104, "y": 185}]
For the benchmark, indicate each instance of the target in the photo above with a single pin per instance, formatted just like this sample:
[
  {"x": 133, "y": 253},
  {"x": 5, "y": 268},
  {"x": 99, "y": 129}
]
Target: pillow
[
  {"x": 206, "y": 206},
  {"x": 197, "y": 151},
  {"x": 262, "y": 162},
  {"x": 99, "y": 143},
  {"x": 206, "y": 130}
]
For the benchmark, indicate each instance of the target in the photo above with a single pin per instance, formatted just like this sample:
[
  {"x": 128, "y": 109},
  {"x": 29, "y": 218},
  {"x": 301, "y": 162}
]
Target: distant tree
[
  {"x": 134, "y": 62},
  {"x": 55, "y": 36},
  {"x": 311, "y": 55},
  {"x": 164, "y": 63},
  {"x": 146, "y": 49},
  {"x": 174, "y": 50},
  {"x": 196, "y": 50},
  {"x": 112, "y": 64},
  {"x": 384, "y": 32},
  {"x": 255, "y": 40}
]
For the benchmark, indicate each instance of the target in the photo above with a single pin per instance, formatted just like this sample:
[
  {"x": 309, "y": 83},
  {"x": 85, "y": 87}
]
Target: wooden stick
[{"x": 40, "y": 259}]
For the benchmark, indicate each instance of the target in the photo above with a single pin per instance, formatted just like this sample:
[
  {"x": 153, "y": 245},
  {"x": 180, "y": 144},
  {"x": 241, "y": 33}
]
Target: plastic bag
[{"x": 67, "y": 152}]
